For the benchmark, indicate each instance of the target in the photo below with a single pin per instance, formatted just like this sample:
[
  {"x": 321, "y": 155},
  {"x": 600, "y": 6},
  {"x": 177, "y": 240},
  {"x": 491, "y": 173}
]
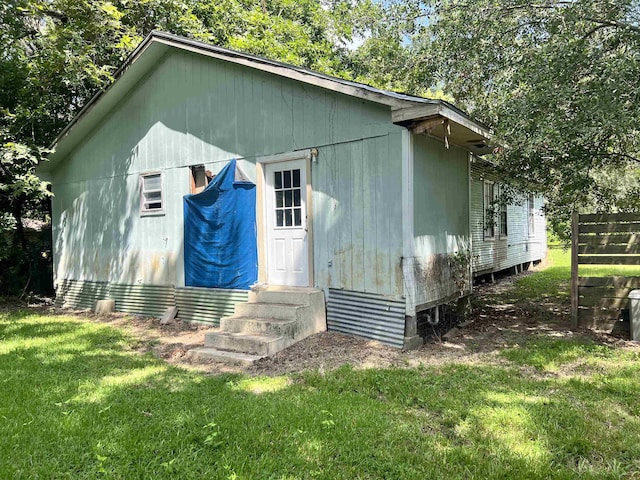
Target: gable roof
[{"x": 408, "y": 110}]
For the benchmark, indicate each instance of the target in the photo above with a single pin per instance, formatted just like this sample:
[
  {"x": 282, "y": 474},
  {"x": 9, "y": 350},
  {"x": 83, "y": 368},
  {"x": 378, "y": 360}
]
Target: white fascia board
[{"x": 441, "y": 109}]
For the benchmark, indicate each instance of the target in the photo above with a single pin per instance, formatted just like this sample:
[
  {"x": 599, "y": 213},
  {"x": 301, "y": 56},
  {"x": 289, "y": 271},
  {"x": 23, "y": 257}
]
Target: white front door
[{"x": 286, "y": 223}]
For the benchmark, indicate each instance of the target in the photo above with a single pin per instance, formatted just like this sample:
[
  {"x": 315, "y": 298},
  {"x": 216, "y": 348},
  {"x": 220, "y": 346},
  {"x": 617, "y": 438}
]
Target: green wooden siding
[
  {"x": 192, "y": 109},
  {"x": 357, "y": 216},
  {"x": 441, "y": 216}
]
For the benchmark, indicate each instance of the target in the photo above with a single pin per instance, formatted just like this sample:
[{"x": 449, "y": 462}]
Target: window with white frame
[
  {"x": 502, "y": 214},
  {"x": 489, "y": 210},
  {"x": 503, "y": 221},
  {"x": 532, "y": 218},
  {"x": 151, "y": 193}
]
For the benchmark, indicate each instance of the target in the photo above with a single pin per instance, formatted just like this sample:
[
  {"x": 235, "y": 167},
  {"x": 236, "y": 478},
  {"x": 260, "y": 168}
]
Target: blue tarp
[{"x": 220, "y": 246}]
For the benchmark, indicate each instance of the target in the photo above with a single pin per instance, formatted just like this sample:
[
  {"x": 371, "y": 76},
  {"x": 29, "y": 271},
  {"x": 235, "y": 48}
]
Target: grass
[
  {"x": 553, "y": 283},
  {"x": 78, "y": 401}
]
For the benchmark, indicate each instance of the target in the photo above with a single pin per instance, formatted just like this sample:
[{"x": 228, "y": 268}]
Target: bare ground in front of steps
[{"x": 492, "y": 327}]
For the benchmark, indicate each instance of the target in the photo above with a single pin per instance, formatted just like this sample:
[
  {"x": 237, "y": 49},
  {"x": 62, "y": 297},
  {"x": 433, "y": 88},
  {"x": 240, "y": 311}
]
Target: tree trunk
[
  {"x": 20, "y": 240},
  {"x": 20, "y": 237}
]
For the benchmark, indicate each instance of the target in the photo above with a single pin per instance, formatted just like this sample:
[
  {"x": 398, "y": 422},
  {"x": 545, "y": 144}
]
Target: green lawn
[
  {"x": 78, "y": 401},
  {"x": 554, "y": 282}
]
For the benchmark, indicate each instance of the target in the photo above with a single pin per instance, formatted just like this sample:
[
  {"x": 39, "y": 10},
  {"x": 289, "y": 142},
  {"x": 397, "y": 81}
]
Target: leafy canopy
[
  {"x": 557, "y": 81},
  {"x": 55, "y": 54}
]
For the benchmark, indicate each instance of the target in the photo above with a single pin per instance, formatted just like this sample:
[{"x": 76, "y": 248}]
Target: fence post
[{"x": 574, "y": 269}]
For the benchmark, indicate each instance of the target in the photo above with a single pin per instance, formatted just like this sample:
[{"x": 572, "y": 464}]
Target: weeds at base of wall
[
  {"x": 436, "y": 321},
  {"x": 460, "y": 269}
]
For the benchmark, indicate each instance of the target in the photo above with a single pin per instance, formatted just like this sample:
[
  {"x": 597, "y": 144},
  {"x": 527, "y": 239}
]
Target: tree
[
  {"x": 56, "y": 54},
  {"x": 557, "y": 81}
]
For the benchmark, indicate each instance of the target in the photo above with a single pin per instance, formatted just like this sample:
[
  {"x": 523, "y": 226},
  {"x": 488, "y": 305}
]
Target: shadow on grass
[
  {"x": 80, "y": 403},
  {"x": 549, "y": 354},
  {"x": 540, "y": 298}
]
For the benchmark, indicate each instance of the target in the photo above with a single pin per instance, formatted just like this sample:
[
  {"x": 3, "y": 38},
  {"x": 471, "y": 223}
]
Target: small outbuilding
[{"x": 203, "y": 175}]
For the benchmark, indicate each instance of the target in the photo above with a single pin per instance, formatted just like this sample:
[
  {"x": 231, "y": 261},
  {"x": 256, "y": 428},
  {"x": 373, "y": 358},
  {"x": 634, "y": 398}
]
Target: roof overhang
[
  {"x": 445, "y": 122},
  {"x": 143, "y": 59},
  {"x": 419, "y": 114}
]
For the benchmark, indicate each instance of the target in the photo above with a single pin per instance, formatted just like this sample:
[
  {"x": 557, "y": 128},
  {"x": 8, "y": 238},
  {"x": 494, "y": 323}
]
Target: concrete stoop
[{"x": 273, "y": 319}]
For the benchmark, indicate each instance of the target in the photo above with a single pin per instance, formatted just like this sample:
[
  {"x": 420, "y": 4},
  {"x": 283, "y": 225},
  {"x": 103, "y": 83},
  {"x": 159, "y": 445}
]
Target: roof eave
[
  {"x": 128, "y": 61},
  {"x": 405, "y": 108},
  {"x": 471, "y": 134}
]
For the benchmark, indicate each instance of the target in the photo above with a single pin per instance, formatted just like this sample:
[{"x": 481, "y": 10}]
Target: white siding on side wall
[{"x": 518, "y": 247}]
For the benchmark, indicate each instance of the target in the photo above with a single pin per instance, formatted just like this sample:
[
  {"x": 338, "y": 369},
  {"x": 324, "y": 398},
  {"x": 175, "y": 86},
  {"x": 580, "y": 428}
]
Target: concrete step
[
  {"x": 277, "y": 294},
  {"x": 257, "y": 344},
  {"x": 273, "y": 326},
  {"x": 207, "y": 354},
  {"x": 281, "y": 311},
  {"x": 273, "y": 319}
]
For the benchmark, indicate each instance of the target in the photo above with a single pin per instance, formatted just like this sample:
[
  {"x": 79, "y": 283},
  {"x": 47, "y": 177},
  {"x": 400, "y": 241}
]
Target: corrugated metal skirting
[
  {"x": 367, "y": 315},
  {"x": 194, "y": 304},
  {"x": 80, "y": 294},
  {"x": 150, "y": 300},
  {"x": 207, "y": 304}
]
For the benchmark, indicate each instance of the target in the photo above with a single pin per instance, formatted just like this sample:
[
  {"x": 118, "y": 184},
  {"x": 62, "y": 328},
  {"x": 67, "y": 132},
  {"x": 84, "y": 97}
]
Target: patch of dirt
[
  {"x": 489, "y": 328},
  {"x": 170, "y": 342}
]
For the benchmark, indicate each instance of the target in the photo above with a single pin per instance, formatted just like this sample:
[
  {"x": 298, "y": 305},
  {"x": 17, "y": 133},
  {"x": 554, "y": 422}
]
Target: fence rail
[{"x": 602, "y": 239}]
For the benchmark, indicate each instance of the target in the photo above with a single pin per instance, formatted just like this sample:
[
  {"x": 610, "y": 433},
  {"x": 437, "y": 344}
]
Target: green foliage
[
  {"x": 551, "y": 354},
  {"x": 556, "y": 81},
  {"x": 550, "y": 283},
  {"x": 553, "y": 282},
  {"x": 460, "y": 269},
  {"x": 22, "y": 194},
  {"x": 56, "y": 54}
]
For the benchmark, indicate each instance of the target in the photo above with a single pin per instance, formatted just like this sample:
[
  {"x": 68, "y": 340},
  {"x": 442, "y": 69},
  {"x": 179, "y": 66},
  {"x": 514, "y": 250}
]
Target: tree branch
[
  {"x": 626, "y": 156},
  {"x": 614, "y": 24}
]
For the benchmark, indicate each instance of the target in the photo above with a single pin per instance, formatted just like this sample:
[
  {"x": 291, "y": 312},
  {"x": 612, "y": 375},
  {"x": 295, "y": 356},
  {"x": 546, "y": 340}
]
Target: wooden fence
[{"x": 603, "y": 239}]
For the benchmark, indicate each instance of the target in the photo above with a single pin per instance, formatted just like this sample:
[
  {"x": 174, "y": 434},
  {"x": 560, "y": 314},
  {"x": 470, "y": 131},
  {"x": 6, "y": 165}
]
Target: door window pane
[{"x": 288, "y": 198}]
